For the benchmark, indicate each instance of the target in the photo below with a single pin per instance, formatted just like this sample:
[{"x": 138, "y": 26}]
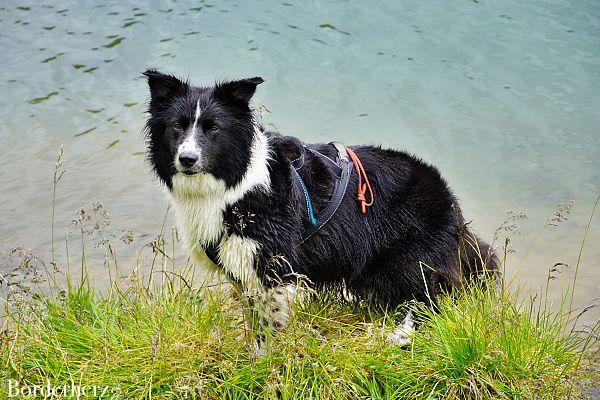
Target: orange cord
[{"x": 362, "y": 187}]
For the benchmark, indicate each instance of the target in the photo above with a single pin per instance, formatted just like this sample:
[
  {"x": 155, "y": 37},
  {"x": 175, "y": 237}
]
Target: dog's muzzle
[{"x": 188, "y": 162}]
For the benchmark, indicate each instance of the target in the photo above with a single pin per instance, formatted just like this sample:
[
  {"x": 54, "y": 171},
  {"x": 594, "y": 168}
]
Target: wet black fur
[{"x": 415, "y": 228}]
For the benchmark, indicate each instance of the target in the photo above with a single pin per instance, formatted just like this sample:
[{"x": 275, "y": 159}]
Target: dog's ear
[
  {"x": 289, "y": 146},
  {"x": 163, "y": 86},
  {"x": 240, "y": 91}
]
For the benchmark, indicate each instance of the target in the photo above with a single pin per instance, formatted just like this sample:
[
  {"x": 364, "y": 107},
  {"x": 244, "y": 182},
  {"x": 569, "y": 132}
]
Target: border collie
[{"x": 244, "y": 207}]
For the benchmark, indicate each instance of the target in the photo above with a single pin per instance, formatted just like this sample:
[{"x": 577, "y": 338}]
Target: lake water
[{"x": 503, "y": 97}]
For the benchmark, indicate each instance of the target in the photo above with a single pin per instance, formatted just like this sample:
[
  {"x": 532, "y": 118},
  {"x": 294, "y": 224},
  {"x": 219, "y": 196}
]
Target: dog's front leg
[
  {"x": 238, "y": 256},
  {"x": 272, "y": 306},
  {"x": 275, "y": 311},
  {"x": 277, "y": 306}
]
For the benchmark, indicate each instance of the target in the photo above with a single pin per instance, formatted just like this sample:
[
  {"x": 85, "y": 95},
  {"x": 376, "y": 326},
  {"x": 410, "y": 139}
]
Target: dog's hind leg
[{"x": 402, "y": 335}]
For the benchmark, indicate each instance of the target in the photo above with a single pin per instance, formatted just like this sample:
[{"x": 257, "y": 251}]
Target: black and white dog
[{"x": 243, "y": 213}]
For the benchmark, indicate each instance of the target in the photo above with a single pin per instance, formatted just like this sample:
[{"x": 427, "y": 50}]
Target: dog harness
[{"x": 341, "y": 168}]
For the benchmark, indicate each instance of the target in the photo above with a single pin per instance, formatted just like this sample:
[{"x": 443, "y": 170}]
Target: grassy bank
[{"x": 180, "y": 342}]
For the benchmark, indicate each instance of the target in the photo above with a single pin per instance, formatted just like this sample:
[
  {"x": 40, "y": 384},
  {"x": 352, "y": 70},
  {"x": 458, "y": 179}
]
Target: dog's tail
[{"x": 473, "y": 261}]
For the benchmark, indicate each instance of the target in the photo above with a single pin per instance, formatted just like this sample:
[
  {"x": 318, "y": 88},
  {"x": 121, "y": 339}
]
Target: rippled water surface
[{"x": 502, "y": 96}]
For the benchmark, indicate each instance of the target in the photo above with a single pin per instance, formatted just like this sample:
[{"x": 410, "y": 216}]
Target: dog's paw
[
  {"x": 401, "y": 336},
  {"x": 259, "y": 349}
]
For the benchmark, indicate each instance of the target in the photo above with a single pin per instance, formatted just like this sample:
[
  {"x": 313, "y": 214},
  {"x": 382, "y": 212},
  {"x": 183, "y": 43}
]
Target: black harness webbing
[{"x": 341, "y": 169}]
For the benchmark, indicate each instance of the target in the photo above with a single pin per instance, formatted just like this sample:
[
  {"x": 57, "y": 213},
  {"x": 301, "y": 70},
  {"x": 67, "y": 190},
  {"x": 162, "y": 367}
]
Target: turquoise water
[{"x": 502, "y": 96}]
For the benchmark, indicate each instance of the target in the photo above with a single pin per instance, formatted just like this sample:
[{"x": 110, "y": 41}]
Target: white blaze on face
[{"x": 190, "y": 145}]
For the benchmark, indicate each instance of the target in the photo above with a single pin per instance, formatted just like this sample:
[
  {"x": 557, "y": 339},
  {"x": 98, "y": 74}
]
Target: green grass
[{"x": 179, "y": 342}]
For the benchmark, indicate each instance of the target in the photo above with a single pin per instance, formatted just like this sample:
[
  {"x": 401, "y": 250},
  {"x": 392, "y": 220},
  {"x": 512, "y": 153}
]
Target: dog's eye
[
  {"x": 177, "y": 127},
  {"x": 211, "y": 129}
]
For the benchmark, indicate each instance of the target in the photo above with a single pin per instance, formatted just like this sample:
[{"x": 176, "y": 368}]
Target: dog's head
[{"x": 200, "y": 130}]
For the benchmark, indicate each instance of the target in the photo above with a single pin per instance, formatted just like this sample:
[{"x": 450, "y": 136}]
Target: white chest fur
[
  {"x": 200, "y": 201},
  {"x": 199, "y": 205}
]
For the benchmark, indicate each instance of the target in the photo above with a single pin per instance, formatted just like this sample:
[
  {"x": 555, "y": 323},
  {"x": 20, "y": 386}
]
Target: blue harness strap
[
  {"x": 309, "y": 207},
  {"x": 342, "y": 169}
]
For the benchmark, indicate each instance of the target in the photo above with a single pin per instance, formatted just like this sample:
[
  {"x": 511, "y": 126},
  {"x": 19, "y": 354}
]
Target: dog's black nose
[{"x": 188, "y": 159}]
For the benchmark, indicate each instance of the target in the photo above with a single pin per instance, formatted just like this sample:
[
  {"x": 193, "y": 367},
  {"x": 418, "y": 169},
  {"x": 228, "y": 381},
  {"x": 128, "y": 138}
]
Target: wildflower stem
[{"x": 585, "y": 235}]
